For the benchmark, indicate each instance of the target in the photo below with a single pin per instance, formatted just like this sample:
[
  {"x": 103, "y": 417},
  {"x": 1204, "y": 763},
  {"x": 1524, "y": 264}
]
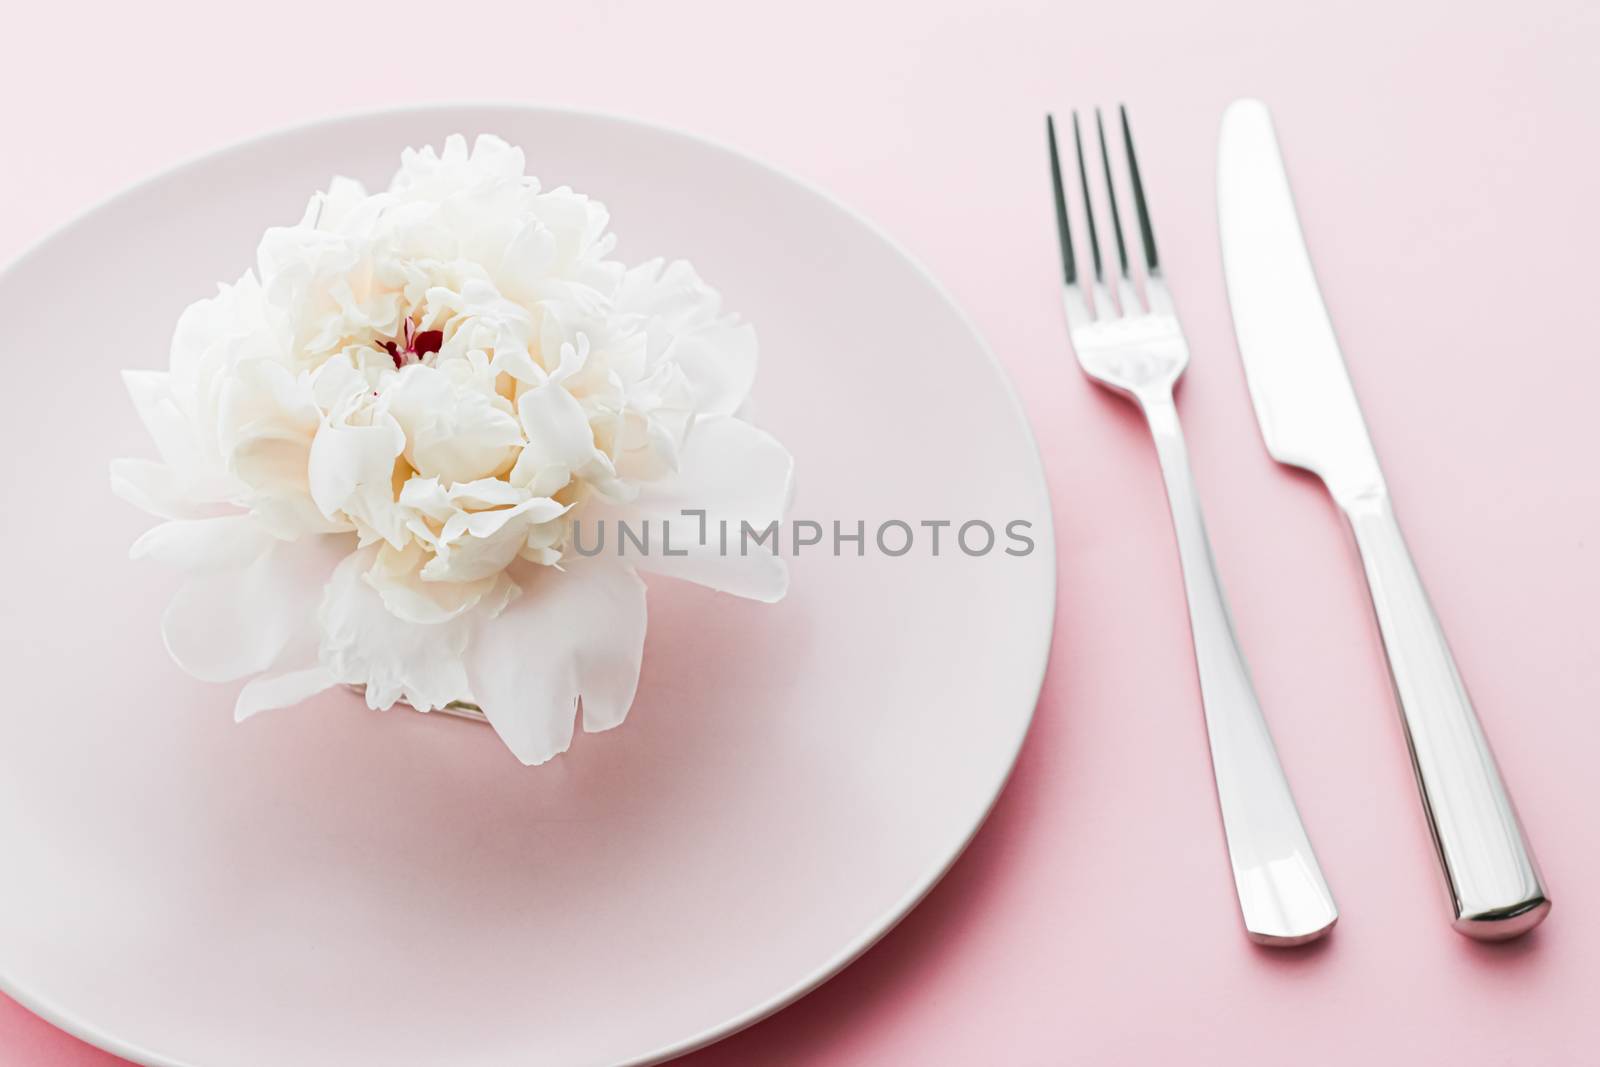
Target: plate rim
[{"x": 877, "y": 928}]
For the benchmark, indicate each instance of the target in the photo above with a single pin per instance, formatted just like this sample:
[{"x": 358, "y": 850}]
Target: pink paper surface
[{"x": 1443, "y": 159}]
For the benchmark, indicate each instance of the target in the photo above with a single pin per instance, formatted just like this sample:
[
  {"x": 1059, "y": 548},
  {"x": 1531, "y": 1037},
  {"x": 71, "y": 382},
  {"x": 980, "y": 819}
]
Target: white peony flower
[{"x": 374, "y": 449}]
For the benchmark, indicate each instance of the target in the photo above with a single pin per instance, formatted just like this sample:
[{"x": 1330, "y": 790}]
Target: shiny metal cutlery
[
  {"x": 1309, "y": 418},
  {"x": 1135, "y": 346}
]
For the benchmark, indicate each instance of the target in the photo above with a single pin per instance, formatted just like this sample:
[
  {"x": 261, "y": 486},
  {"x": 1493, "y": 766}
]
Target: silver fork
[{"x": 1136, "y": 347}]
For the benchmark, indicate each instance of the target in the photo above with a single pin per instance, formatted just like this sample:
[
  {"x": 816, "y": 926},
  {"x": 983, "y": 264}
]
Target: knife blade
[
  {"x": 1310, "y": 418},
  {"x": 1298, "y": 382}
]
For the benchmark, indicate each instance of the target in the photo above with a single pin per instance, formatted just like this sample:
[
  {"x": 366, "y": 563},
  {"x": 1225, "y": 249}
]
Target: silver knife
[{"x": 1309, "y": 418}]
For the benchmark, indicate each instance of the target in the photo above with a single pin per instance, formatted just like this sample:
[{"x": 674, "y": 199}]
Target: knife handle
[
  {"x": 1495, "y": 888},
  {"x": 1282, "y": 895}
]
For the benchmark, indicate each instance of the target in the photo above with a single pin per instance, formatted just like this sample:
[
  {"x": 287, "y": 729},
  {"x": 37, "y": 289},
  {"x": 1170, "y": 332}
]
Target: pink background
[{"x": 1443, "y": 157}]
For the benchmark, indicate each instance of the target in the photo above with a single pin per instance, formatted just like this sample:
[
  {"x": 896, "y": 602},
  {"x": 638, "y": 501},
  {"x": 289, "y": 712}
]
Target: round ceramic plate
[{"x": 328, "y": 885}]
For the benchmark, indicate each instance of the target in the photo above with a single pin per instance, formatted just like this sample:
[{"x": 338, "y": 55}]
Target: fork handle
[
  {"x": 1282, "y": 894},
  {"x": 1494, "y": 885}
]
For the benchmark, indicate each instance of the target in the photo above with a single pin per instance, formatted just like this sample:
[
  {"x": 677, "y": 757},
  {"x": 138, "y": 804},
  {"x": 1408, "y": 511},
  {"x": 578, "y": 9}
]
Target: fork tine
[
  {"x": 1126, "y": 295},
  {"x": 1155, "y": 288},
  {"x": 1078, "y": 311},
  {"x": 1069, "y": 266},
  {"x": 1103, "y": 308},
  {"x": 1088, "y": 204},
  {"x": 1111, "y": 192}
]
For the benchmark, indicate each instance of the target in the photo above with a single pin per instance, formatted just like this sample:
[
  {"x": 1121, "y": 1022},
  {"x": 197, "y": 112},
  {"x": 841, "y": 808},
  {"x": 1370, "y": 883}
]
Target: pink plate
[{"x": 328, "y": 885}]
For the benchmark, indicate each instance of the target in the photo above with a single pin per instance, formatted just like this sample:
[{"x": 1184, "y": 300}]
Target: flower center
[{"x": 413, "y": 346}]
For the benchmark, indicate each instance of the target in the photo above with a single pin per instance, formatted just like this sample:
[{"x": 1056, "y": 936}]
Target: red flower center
[{"x": 413, "y": 347}]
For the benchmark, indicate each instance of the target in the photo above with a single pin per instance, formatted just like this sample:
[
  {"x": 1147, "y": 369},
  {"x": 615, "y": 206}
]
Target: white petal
[
  {"x": 216, "y": 628},
  {"x": 204, "y": 544},
  {"x": 364, "y": 643},
  {"x": 190, "y": 480},
  {"x": 481, "y": 544},
  {"x": 559, "y": 437},
  {"x": 266, "y": 420},
  {"x": 456, "y": 430},
  {"x": 292, "y": 515},
  {"x": 345, "y": 197},
  {"x": 346, "y": 459},
  {"x": 715, "y": 352},
  {"x": 487, "y": 493},
  {"x": 338, "y": 383},
  {"x": 572, "y": 633},
  {"x": 265, "y": 406},
  {"x": 426, "y": 497},
  {"x": 297, "y": 672},
  {"x": 396, "y": 575},
  {"x": 351, "y": 472},
  {"x": 736, "y": 474},
  {"x": 152, "y": 396},
  {"x": 226, "y": 624},
  {"x": 267, "y": 691},
  {"x": 157, "y": 489},
  {"x": 720, "y": 363}
]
